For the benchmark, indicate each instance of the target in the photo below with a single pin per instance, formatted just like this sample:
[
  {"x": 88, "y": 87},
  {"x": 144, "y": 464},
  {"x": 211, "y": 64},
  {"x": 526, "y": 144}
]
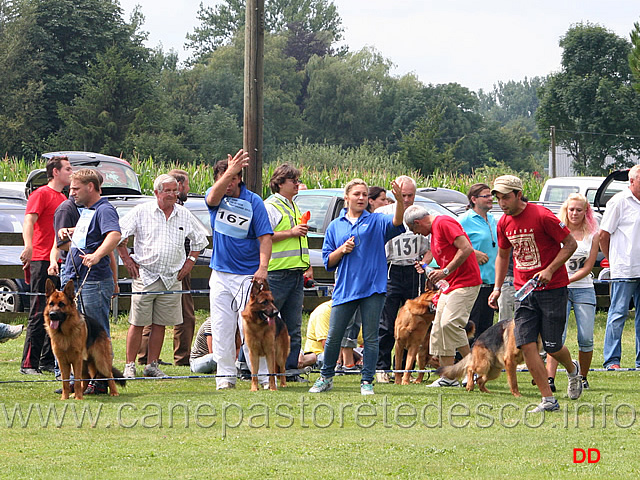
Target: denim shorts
[{"x": 543, "y": 313}]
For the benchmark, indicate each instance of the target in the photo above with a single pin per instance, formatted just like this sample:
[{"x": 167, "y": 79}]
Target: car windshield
[
  {"x": 317, "y": 205},
  {"x": 115, "y": 175}
]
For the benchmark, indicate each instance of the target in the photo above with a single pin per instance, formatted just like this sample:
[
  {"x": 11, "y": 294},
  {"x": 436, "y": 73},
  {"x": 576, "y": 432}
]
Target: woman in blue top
[{"x": 354, "y": 245}]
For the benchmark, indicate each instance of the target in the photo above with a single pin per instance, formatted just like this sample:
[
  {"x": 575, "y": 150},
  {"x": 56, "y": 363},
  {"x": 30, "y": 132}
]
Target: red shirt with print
[
  {"x": 536, "y": 235},
  {"x": 43, "y": 202},
  {"x": 444, "y": 230}
]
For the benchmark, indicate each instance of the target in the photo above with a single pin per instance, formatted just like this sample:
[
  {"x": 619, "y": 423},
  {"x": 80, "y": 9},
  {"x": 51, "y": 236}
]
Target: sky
[{"x": 470, "y": 42}]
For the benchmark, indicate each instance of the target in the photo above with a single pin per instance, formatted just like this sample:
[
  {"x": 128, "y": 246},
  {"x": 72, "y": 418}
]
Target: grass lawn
[{"x": 185, "y": 429}]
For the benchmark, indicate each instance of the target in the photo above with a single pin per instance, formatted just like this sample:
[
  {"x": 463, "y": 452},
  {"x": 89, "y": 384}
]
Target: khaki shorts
[
  {"x": 155, "y": 309},
  {"x": 452, "y": 315}
]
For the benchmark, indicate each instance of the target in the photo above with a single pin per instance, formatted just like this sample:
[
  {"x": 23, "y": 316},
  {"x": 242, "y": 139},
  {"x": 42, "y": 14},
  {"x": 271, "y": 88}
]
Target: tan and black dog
[
  {"x": 492, "y": 351},
  {"x": 266, "y": 335},
  {"x": 77, "y": 341}
]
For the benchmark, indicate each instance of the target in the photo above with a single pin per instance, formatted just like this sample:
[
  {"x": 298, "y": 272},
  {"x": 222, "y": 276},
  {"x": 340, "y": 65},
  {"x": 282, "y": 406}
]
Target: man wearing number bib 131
[
  {"x": 241, "y": 249},
  {"x": 403, "y": 281}
]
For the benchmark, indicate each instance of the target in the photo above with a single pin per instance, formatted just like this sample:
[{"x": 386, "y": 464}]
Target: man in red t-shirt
[
  {"x": 451, "y": 249},
  {"x": 541, "y": 245},
  {"x": 38, "y": 235}
]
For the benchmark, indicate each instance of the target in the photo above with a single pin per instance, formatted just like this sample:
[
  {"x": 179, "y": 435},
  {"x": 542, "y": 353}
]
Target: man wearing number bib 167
[
  {"x": 241, "y": 249},
  {"x": 403, "y": 281}
]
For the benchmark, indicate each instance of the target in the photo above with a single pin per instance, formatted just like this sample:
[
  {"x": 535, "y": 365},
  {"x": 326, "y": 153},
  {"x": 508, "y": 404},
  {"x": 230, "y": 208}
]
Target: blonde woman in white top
[{"x": 577, "y": 214}]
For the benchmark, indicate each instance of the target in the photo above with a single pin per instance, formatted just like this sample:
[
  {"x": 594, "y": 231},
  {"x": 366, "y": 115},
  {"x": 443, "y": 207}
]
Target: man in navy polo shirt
[
  {"x": 95, "y": 236},
  {"x": 241, "y": 249}
]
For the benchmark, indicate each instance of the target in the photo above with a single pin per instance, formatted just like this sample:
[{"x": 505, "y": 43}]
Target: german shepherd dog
[
  {"x": 266, "y": 335},
  {"x": 77, "y": 341},
  {"x": 412, "y": 331},
  {"x": 492, "y": 351}
]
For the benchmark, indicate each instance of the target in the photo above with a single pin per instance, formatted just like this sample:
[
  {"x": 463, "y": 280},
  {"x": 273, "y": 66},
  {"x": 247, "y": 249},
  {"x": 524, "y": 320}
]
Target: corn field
[{"x": 201, "y": 176}]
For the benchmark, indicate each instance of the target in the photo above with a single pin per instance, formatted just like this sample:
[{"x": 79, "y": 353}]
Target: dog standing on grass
[
  {"x": 492, "y": 351},
  {"x": 78, "y": 341},
  {"x": 412, "y": 327},
  {"x": 265, "y": 334}
]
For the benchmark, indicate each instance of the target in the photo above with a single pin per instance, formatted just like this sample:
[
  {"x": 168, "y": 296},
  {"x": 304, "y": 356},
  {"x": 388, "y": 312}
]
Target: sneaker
[
  {"x": 152, "y": 370},
  {"x": 226, "y": 386},
  {"x": 71, "y": 389},
  {"x": 97, "y": 387},
  {"x": 546, "y": 406},
  {"x": 464, "y": 380},
  {"x": 351, "y": 368},
  {"x": 382, "y": 377},
  {"x": 366, "y": 388},
  {"x": 11, "y": 332},
  {"x": 574, "y": 388},
  {"x": 30, "y": 371},
  {"x": 130, "y": 370},
  {"x": 444, "y": 382},
  {"x": 322, "y": 385},
  {"x": 48, "y": 369},
  {"x": 296, "y": 379},
  {"x": 552, "y": 384},
  {"x": 615, "y": 366},
  {"x": 585, "y": 384}
]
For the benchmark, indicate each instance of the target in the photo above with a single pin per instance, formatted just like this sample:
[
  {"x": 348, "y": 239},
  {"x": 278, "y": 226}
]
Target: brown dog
[
  {"x": 413, "y": 325},
  {"x": 77, "y": 341},
  {"x": 266, "y": 335},
  {"x": 492, "y": 351}
]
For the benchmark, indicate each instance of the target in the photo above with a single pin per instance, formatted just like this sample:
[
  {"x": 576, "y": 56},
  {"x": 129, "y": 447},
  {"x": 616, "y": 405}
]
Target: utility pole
[
  {"x": 553, "y": 167},
  {"x": 253, "y": 92}
]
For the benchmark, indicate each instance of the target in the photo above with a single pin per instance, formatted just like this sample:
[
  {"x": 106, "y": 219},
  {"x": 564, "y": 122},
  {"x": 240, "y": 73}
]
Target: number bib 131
[
  {"x": 403, "y": 248},
  {"x": 234, "y": 217}
]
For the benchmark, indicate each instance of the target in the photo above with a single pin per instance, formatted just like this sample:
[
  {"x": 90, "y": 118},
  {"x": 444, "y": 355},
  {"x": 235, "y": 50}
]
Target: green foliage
[
  {"x": 318, "y": 19},
  {"x": 591, "y": 101},
  {"x": 321, "y": 166}
]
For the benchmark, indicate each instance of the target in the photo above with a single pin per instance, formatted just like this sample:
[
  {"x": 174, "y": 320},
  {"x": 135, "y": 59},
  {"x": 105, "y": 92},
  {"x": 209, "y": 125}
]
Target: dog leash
[{"x": 243, "y": 293}]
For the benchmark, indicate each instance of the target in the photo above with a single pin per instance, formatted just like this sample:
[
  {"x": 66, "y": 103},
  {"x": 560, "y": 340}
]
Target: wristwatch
[
  {"x": 192, "y": 258},
  {"x": 446, "y": 271}
]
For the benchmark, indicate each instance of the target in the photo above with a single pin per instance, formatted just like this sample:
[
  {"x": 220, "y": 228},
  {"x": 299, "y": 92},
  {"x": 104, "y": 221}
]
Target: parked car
[
  {"x": 119, "y": 176},
  {"x": 452, "y": 199},
  {"x": 558, "y": 189},
  {"x": 13, "y": 192},
  {"x": 11, "y": 220},
  {"x": 614, "y": 182},
  {"x": 324, "y": 205}
]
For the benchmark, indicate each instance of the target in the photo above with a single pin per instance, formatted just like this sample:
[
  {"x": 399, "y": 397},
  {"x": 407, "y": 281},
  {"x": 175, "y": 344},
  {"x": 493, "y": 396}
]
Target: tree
[
  {"x": 634, "y": 56},
  {"x": 219, "y": 24},
  {"x": 110, "y": 99},
  {"x": 344, "y": 97},
  {"x": 591, "y": 101},
  {"x": 49, "y": 45}
]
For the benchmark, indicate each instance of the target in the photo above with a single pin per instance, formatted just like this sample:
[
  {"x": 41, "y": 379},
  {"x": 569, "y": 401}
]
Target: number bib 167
[{"x": 234, "y": 217}]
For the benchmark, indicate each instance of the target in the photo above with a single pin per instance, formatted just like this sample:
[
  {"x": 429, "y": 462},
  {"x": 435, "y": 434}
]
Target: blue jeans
[
  {"x": 96, "y": 301},
  {"x": 621, "y": 294},
  {"x": 287, "y": 287},
  {"x": 370, "y": 308},
  {"x": 583, "y": 301},
  {"x": 203, "y": 364}
]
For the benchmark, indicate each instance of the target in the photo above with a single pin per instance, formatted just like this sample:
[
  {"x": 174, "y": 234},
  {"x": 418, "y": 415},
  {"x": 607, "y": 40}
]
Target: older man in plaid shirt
[{"x": 159, "y": 263}]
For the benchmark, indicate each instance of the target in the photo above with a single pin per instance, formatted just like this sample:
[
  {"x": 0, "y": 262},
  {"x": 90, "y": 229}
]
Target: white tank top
[{"x": 577, "y": 261}]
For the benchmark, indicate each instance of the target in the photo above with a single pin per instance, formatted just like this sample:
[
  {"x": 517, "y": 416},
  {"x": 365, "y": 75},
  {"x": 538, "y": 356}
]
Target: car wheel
[{"x": 9, "y": 302}]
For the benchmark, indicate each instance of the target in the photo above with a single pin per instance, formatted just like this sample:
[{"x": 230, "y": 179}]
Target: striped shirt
[
  {"x": 200, "y": 347},
  {"x": 159, "y": 241}
]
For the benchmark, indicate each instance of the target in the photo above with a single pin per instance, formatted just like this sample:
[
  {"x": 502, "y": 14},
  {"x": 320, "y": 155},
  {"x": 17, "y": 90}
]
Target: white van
[{"x": 559, "y": 188}]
